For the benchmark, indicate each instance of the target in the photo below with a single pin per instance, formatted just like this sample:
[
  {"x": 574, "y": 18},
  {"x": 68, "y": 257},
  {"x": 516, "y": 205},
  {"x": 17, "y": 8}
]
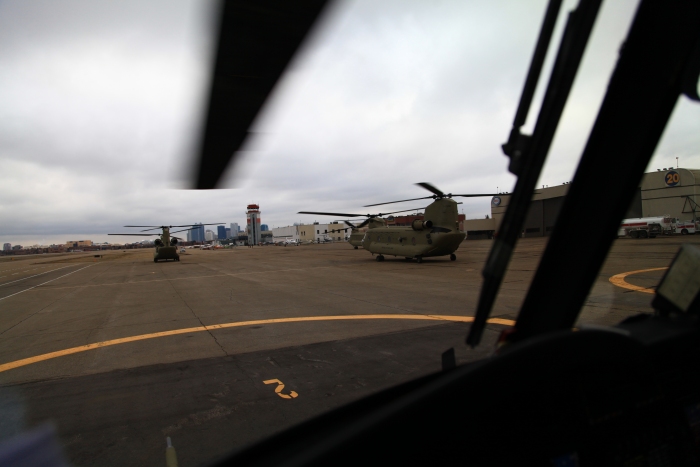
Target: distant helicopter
[
  {"x": 437, "y": 235},
  {"x": 166, "y": 245}
]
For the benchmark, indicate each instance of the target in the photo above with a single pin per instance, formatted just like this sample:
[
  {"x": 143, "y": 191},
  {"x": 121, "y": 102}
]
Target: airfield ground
[{"x": 119, "y": 352}]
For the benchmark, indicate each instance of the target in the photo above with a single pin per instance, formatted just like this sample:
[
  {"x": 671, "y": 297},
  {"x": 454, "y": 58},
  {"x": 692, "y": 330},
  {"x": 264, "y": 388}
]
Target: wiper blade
[{"x": 528, "y": 153}]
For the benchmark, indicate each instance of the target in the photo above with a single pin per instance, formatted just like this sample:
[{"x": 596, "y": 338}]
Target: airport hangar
[{"x": 664, "y": 192}]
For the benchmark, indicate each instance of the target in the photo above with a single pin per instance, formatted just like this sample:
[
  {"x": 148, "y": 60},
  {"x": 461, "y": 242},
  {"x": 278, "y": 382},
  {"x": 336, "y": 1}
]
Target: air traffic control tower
[{"x": 253, "y": 224}]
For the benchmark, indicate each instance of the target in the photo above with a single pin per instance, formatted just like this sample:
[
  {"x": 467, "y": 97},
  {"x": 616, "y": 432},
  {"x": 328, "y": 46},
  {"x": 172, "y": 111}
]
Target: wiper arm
[{"x": 528, "y": 153}]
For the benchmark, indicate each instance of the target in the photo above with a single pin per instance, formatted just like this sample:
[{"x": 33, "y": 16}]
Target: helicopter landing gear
[
  {"x": 419, "y": 259},
  {"x": 356, "y": 248},
  {"x": 155, "y": 260},
  {"x": 408, "y": 258},
  {"x": 453, "y": 257},
  {"x": 380, "y": 258}
]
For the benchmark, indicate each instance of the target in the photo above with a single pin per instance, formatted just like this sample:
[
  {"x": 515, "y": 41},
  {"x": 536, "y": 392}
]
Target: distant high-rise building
[
  {"x": 197, "y": 233},
  {"x": 209, "y": 235},
  {"x": 221, "y": 232},
  {"x": 7, "y": 247},
  {"x": 228, "y": 232},
  {"x": 264, "y": 228},
  {"x": 253, "y": 224},
  {"x": 234, "y": 230}
]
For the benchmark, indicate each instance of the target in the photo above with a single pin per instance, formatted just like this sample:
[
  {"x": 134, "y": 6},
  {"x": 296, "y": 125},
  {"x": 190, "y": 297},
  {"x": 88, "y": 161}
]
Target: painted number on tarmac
[{"x": 279, "y": 388}]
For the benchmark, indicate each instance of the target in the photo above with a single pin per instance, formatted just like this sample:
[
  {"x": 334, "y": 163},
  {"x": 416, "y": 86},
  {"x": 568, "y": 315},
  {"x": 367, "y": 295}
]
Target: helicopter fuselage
[
  {"x": 357, "y": 236},
  {"x": 411, "y": 244},
  {"x": 167, "y": 248},
  {"x": 437, "y": 235}
]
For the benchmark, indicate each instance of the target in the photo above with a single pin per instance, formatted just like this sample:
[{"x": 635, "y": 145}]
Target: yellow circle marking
[
  {"x": 619, "y": 280},
  {"x": 141, "y": 337}
]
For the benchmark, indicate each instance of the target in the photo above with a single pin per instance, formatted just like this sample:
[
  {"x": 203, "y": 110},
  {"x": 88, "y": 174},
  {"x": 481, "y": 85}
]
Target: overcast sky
[{"x": 99, "y": 102}]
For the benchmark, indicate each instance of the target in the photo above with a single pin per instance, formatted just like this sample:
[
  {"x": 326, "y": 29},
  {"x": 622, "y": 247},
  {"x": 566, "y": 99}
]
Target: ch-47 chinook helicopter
[
  {"x": 166, "y": 245},
  {"x": 437, "y": 234}
]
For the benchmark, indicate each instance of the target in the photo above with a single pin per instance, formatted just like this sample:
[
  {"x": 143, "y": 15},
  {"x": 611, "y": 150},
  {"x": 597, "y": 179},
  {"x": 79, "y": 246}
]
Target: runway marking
[
  {"x": 232, "y": 274},
  {"x": 125, "y": 340},
  {"x": 14, "y": 269},
  {"x": 39, "y": 285},
  {"x": 35, "y": 275},
  {"x": 619, "y": 280},
  {"x": 278, "y": 389}
]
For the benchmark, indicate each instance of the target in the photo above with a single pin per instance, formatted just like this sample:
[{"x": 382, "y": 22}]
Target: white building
[
  {"x": 324, "y": 232},
  {"x": 234, "y": 230},
  {"x": 209, "y": 236},
  {"x": 290, "y": 232}
]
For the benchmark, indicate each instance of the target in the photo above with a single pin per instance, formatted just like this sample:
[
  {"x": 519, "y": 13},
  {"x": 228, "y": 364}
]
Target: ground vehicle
[
  {"x": 684, "y": 227},
  {"x": 647, "y": 227}
]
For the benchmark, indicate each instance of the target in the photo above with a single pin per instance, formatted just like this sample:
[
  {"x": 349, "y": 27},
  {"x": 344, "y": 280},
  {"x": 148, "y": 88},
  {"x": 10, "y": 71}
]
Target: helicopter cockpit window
[{"x": 251, "y": 342}]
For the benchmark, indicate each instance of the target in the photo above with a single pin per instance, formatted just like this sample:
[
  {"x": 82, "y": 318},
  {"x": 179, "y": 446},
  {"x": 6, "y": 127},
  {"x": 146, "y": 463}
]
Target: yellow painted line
[
  {"x": 141, "y": 337},
  {"x": 619, "y": 280}
]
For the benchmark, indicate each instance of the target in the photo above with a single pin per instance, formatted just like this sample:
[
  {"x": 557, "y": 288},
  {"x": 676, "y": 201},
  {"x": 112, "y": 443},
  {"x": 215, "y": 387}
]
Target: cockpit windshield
[{"x": 508, "y": 136}]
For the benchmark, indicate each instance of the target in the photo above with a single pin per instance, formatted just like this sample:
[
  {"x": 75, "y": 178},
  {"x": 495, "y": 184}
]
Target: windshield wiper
[
  {"x": 660, "y": 56},
  {"x": 528, "y": 153}
]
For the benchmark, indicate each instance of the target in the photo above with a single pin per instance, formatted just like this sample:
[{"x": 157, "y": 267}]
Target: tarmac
[{"x": 226, "y": 347}]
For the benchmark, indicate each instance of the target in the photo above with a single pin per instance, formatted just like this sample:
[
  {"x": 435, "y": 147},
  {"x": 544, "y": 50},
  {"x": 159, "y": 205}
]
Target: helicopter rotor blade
[
  {"x": 476, "y": 195},
  {"x": 156, "y": 227},
  {"x": 363, "y": 224},
  {"x": 352, "y": 226},
  {"x": 355, "y": 215},
  {"x": 256, "y": 42},
  {"x": 394, "y": 212},
  {"x": 401, "y": 201},
  {"x": 331, "y": 214},
  {"x": 195, "y": 225},
  {"x": 137, "y": 235},
  {"x": 184, "y": 230},
  {"x": 431, "y": 189}
]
